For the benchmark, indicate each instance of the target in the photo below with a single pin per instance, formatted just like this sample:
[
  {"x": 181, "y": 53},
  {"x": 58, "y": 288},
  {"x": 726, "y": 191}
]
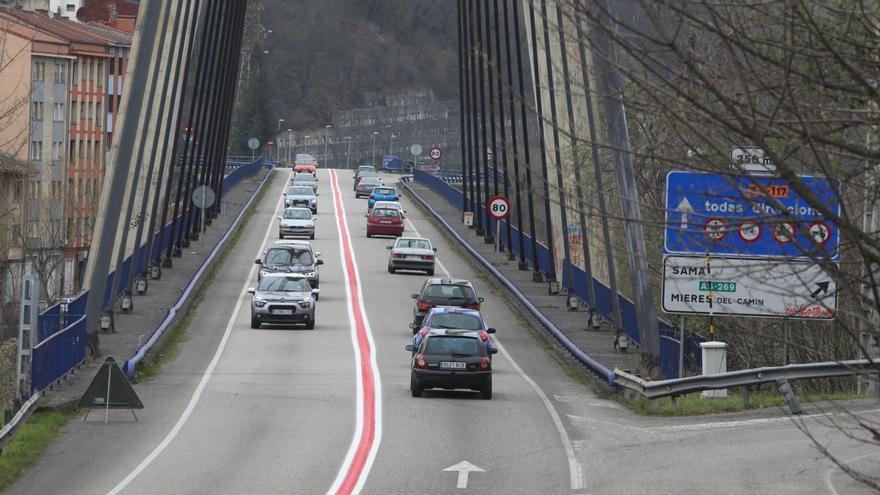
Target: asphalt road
[{"x": 286, "y": 410}]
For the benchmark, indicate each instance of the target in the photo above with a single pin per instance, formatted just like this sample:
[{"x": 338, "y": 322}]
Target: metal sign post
[
  {"x": 203, "y": 197},
  {"x": 28, "y": 326},
  {"x": 498, "y": 208},
  {"x": 253, "y": 144}
]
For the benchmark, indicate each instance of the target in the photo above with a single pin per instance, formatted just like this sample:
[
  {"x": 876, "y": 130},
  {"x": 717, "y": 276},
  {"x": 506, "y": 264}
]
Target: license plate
[
  {"x": 384, "y": 221},
  {"x": 282, "y": 311},
  {"x": 414, "y": 257},
  {"x": 453, "y": 365}
]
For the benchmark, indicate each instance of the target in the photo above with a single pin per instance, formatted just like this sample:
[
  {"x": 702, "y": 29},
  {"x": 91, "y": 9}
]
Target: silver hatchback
[{"x": 283, "y": 298}]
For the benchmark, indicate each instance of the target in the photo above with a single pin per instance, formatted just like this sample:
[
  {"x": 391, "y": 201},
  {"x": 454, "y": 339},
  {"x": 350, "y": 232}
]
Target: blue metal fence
[
  {"x": 669, "y": 343},
  {"x": 61, "y": 335}
]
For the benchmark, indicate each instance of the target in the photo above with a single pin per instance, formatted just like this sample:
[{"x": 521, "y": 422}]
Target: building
[
  {"x": 64, "y": 9},
  {"x": 117, "y": 14},
  {"x": 75, "y": 91}
]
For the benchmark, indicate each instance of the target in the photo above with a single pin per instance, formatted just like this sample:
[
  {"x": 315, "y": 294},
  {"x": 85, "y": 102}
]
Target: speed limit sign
[
  {"x": 498, "y": 207},
  {"x": 436, "y": 153}
]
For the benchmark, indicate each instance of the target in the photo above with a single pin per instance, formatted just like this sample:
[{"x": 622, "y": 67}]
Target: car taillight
[
  {"x": 397, "y": 255},
  {"x": 424, "y": 305},
  {"x": 421, "y": 364},
  {"x": 484, "y": 363},
  {"x": 473, "y": 306},
  {"x": 428, "y": 257},
  {"x": 484, "y": 336}
]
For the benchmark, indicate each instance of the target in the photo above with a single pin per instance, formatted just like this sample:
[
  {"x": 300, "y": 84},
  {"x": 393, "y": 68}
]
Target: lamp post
[
  {"x": 306, "y": 143},
  {"x": 289, "y": 144},
  {"x": 375, "y": 133},
  {"x": 278, "y": 140},
  {"x": 347, "y": 151},
  {"x": 391, "y": 153},
  {"x": 326, "y": 139}
]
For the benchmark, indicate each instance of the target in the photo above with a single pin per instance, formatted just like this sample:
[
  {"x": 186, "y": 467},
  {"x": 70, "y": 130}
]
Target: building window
[
  {"x": 98, "y": 114},
  {"x": 71, "y": 7},
  {"x": 16, "y": 190},
  {"x": 36, "y": 150},
  {"x": 100, "y": 81},
  {"x": 82, "y": 110},
  {"x": 58, "y": 112},
  {"x": 15, "y": 234},
  {"x": 39, "y": 71},
  {"x": 38, "y": 110},
  {"x": 111, "y": 66},
  {"x": 57, "y": 146},
  {"x": 59, "y": 72}
]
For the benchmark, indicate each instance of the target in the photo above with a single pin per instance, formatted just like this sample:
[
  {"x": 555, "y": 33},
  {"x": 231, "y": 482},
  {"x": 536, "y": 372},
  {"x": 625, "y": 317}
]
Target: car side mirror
[
  {"x": 316, "y": 291},
  {"x": 366, "y": 216},
  {"x": 491, "y": 330},
  {"x": 317, "y": 194},
  {"x": 493, "y": 351},
  {"x": 279, "y": 218},
  {"x": 480, "y": 299},
  {"x": 389, "y": 247},
  {"x": 319, "y": 262},
  {"x": 435, "y": 250},
  {"x": 251, "y": 290},
  {"x": 414, "y": 296},
  {"x": 412, "y": 326},
  {"x": 258, "y": 261},
  {"x": 410, "y": 348}
]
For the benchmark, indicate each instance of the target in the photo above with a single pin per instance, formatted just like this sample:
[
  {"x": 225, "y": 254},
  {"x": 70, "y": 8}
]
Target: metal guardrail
[
  {"x": 579, "y": 354},
  {"x": 667, "y": 388},
  {"x": 129, "y": 366},
  {"x": 10, "y": 429}
]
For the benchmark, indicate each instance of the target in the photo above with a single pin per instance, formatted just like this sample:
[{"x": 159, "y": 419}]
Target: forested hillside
[{"x": 379, "y": 44}]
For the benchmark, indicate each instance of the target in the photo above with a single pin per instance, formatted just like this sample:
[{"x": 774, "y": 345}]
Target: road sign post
[
  {"x": 436, "y": 153},
  {"x": 498, "y": 208}
]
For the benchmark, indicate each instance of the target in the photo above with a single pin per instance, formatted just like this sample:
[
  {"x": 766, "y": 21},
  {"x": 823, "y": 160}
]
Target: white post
[
  {"x": 714, "y": 362},
  {"x": 107, "y": 399},
  {"x": 681, "y": 348},
  {"x": 28, "y": 326}
]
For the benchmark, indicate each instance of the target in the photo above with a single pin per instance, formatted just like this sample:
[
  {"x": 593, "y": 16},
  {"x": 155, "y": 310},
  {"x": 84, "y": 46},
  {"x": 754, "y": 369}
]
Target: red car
[
  {"x": 311, "y": 168},
  {"x": 384, "y": 221}
]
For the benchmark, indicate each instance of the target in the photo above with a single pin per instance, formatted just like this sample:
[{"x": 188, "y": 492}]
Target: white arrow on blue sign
[{"x": 749, "y": 216}]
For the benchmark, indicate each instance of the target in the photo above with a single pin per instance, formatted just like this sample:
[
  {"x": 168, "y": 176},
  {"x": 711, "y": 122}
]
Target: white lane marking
[
  {"x": 464, "y": 468},
  {"x": 197, "y": 393},
  {"x": 829, "y": 483},
  {"x": 575, "y": 470},
  {"x": 377, "y": 382}
]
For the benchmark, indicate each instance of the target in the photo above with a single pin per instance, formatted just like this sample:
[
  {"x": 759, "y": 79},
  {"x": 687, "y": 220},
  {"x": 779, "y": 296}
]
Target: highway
[{"x": 286, "y": 410}]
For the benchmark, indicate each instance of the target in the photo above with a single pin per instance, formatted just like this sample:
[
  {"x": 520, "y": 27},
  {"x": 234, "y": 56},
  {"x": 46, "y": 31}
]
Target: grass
[
  {"x": 38, "y": 433},
  {"x": 152, "y": 364},
  {"x": 687, "y": 405}
]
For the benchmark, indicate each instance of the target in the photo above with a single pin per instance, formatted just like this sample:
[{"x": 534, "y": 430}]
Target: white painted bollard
[{"x": 714, "y": 362}]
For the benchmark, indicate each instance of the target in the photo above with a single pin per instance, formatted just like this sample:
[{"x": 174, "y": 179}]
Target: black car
[
  {"x": 438, "y": 291},
  {"x": 291, "y": 257},
  {"x": 451, "y": 359}
]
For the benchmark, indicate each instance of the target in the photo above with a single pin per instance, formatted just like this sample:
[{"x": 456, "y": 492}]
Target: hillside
[{"x": 324, "y": 54}]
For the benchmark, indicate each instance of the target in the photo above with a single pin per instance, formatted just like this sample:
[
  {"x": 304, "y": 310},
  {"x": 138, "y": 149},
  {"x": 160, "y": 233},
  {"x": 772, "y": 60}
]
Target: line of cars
[{"x": 451, "y": 347}]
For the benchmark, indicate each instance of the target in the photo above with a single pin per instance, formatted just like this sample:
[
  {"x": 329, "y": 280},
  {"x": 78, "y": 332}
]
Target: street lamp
[
  {"x": 289, "y": 144},
  {"x": 278, "y": 139},
  {"x": 392, "y": 144},
  {"x": 326, "y": 131},
  {"x": 306, "y": 143},
  {"x": 375, "y": 133},
  {"x": 348, "y": 151}
]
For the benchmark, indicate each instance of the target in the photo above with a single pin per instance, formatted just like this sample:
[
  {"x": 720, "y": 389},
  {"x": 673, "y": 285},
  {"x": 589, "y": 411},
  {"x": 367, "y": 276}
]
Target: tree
[{"x": 253, "y": 116}]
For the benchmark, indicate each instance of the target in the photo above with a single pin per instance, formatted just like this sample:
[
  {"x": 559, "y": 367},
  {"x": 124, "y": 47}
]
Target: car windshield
[
  {"x": 298, "y": 214},
  {"x": 448, "y": 346},
  {"x": 384, "y": 191},
  {"x": 300, "y": 191},
  {"x": 454, "y": 320},
  {"x": 285, "y": 284},
  {"x": 385, "y": 213},
  {"x": 448, "y": 291},
  {"x": 365, "y": 168},
  {"x": 413, "y": 244},
  {"x": 288, "y": 257}
]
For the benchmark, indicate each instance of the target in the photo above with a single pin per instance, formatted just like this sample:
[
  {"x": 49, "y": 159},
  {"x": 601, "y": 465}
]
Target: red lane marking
[{"x": 365, "y": 351}]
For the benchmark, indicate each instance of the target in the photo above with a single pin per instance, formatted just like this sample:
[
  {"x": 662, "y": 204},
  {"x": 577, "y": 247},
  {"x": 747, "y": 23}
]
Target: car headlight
[
  {"x": 313, "y": 200},
  {"x": 259, "y": 303},
  {"x": 305, "y": 304},
  {"x": 310, "y": 274}
]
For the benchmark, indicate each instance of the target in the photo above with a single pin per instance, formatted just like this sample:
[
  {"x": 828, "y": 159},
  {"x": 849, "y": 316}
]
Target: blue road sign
[{"x": 732, "y": 215}]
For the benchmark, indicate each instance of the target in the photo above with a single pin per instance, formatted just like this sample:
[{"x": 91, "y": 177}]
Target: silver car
[
  {"x": 291, "y": 257},
  {"x": 297, "y": 221},
  {"x": 411, "y": 253},
  {"x": 394, "y": 205},
  {"x": 301, "y": 196},
  {"x": 283, "y": 298},
  {"x": 305, "y": 179}
]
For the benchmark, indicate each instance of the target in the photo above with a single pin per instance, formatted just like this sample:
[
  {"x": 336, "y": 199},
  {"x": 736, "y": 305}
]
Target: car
[
  {"x": 361, "y": 176},
  {"x": 297, "y": 221},
  {"x": 445, "y": 317},
  {"x": 451, "y": 359},
  {"x": 291, "y": 257},
  {"x": 366, "y": 185},
  {"x": 361, "y": 169},
  {"x": 390, "y": 204},
  {"x": 301, "y": 196},
  {"x": 437, "y": 291},
  {"x": 384, "y": 221},
  {"x": 411, "y": 253},
  {"x": 305, "y": 179},
  {"x": 309, "y": 168},
  {"x": 284, "y": 298},
  {"x": 383, "y": 193}
]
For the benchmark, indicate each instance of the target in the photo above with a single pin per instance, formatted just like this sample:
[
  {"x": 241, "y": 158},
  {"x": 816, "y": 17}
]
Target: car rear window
[
  {"x": 384, "y": 191},
  {"x": 385, "y": 213},
  {"x": 447, "y": 346},
  {"x": 413, "y": 244},
  {"x": 449, "y": 292},
  {"x": 454, "y": 320}
]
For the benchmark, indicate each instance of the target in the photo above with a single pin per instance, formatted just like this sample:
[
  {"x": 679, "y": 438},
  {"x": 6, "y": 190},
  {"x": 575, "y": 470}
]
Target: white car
[
  {"x": 297, "y": 221},
  {"x": 411, "y": 253},
  {"x": 394, "y": 205}
]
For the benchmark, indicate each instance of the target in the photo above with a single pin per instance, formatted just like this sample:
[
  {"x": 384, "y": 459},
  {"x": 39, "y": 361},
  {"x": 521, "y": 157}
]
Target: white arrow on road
[
  {"x": 463, "y": 468},
  {"x": 684, "y": 208}
]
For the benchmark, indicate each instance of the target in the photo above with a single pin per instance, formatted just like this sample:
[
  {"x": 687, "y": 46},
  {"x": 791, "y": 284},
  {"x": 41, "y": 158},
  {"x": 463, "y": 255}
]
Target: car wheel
[
  {"x": 254, "y": 322},
  {"x": 312, "y": 237},
  {"x": 280, "y": 235},
  {"x": 414, "y": 386},
  {"x": 486, "y": 391},
  {"x": 390, "y": 269},
  {"x": 431, "y": 272},
  {"x": 369, "y": 234},
  {"x": 310, "y": 325}
]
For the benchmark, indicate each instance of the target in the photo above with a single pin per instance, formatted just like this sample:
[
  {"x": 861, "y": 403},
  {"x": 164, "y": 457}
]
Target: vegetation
[{"x": 37, "y": 434}]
